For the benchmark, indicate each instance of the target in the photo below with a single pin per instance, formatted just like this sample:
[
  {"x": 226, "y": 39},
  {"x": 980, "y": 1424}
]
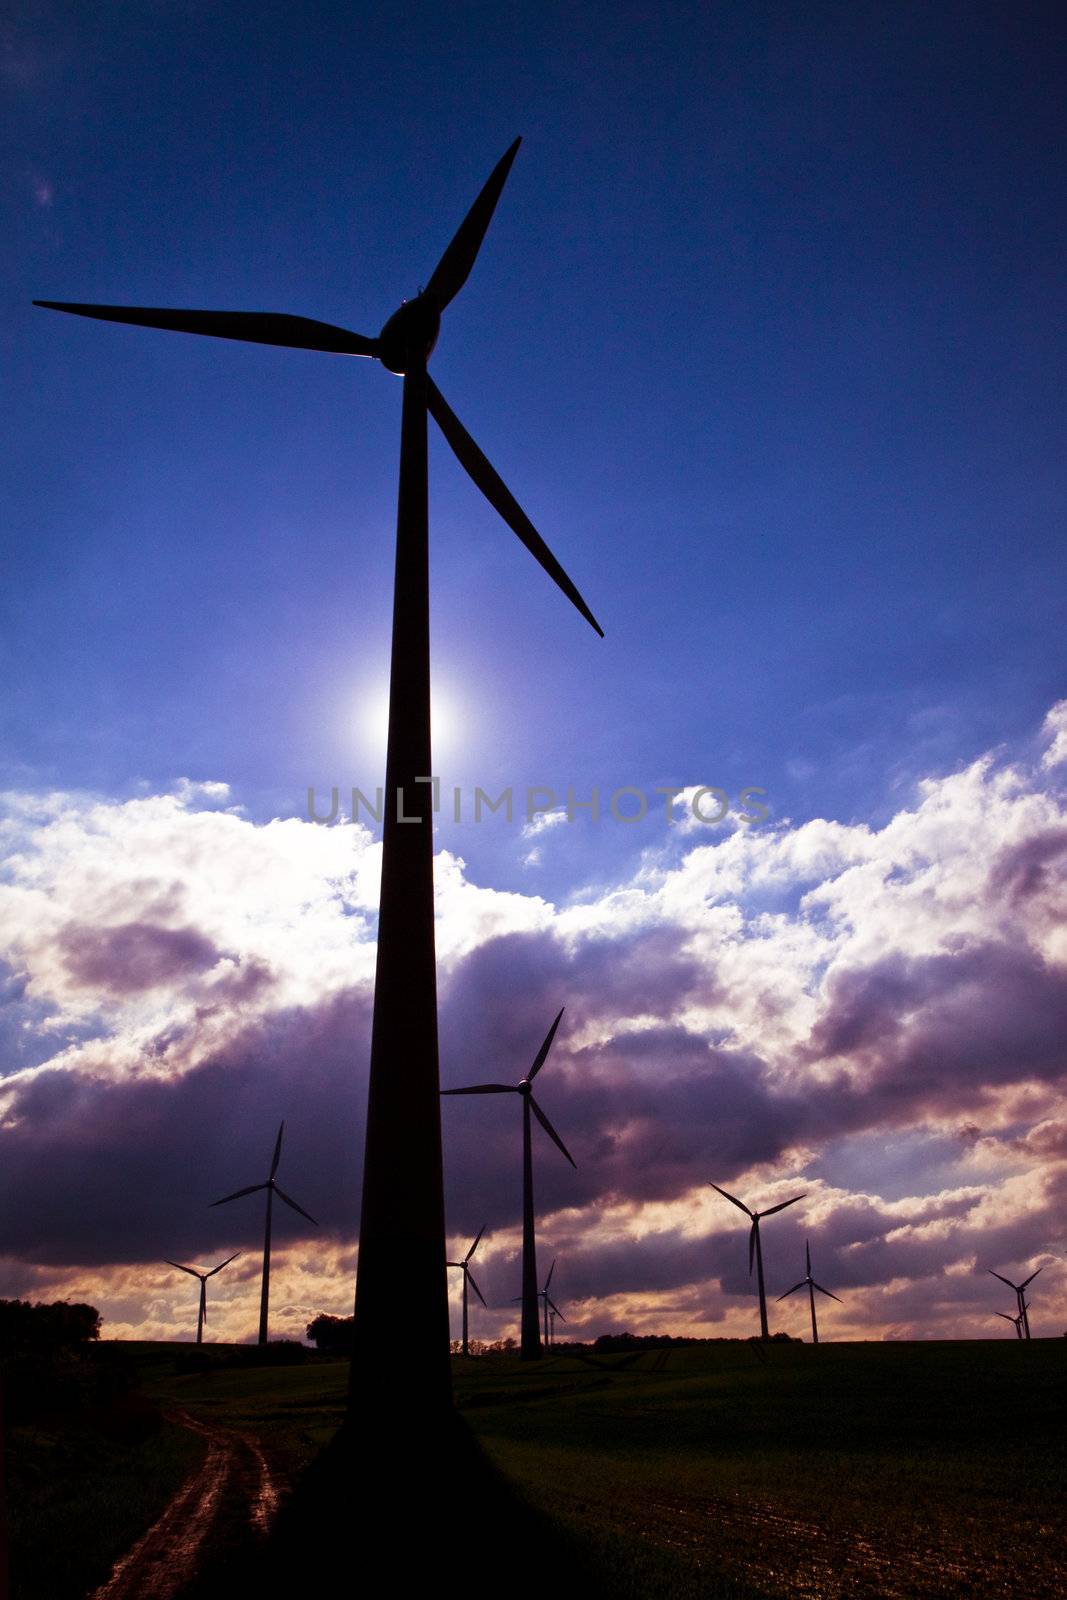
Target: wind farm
[{"x": 756, "y": 330}]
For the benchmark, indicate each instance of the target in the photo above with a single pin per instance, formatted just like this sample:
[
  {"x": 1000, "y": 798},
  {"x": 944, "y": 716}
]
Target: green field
[
  {"x": 843, "y": 1470},
  {"x": 863, "y": 1469}
]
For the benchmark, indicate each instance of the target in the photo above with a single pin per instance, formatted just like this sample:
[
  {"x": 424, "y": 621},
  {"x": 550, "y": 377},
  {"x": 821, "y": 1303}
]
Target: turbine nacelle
[{"x": 408, "y": 338}]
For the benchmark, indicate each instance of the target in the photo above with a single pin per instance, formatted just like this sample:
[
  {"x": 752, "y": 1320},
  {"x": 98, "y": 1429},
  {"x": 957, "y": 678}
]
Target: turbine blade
[
  {"x": 556, "y": 1309},
  {"x": 474, "y": 1246},
  {"x": 801, "y": 1285},
  {"x": 253, "y": 1188},
  {"x": 251, "y": 327},
  {"x": 485, "y": 1088},
  {"x": 180, "y": 1268},
  {"x": 827, "y": 1292},
  {"x": 542, "y": 1054},
  {"x": 782, "y": 1205},
  {"x": 752, "y": 1232},
  {"x": 277, "y": 1151},
  {"x": 478, "y": 1292},
  {"x": 1008, "y": 1281},
  {"x": 289, "y": 1202},
  {"x": 550, "y": 1130},
  {"x": 551, "y": 1270},
  {"x": 454, "y": 267},
  {"x": 222, "y": 1264},
  {"x": 740, "y": 1204},
  {"x": 1030, "y": 1279},
  {"x": 1004, "y": 1314},
  {"x": 807, "y": 1256},
  {"x": 500, "y": 497}
]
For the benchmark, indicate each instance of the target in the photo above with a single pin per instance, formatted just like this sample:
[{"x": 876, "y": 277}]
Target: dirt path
[{"x": 166, "y": 1558}]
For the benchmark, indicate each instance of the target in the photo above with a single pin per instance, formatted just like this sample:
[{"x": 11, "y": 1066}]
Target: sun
[{"x": 372, "y": 722}]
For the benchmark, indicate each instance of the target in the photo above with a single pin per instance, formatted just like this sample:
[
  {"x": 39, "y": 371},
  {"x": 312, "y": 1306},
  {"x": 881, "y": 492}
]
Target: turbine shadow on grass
[{"x": 388, "y": 1514}]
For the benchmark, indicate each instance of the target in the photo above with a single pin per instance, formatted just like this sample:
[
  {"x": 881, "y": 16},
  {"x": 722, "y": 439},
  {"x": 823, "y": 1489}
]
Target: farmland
[{"x": 714, "y": 1471}]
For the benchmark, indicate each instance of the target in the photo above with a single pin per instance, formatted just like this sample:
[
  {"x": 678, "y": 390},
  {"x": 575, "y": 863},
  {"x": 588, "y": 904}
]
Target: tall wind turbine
[
  {"x": 808, "y": 1280},
  {"x": 530, "y": 1344},
  {"x": 468, "y": 1278},
  {"x": 401, "y": 1313},
  {"x": 755, "y": 1249},
  {"x": 1020, "y": 1301},
  {"x": 272, "y": 1189},
  {"x": 203, "y": 1276}
]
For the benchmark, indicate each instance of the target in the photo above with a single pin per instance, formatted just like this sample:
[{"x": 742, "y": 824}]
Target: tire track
[{"x": 167, "y": 1557}]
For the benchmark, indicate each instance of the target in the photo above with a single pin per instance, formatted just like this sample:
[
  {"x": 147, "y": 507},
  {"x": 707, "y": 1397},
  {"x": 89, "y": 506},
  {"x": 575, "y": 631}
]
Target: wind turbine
[
  {"x": 401, "y": 1312},
  {"x": 555, "y": 1312},
  {"x": 755, "y": 1248},
  {"x": 468, "y": 1278},
  {"x": 1016, "y": 1321},
  {"x": 203, "y": 1276},
  {"x": 530, "y": 1345},
  {"x": 272, "y": 1189},
  {"x": 811, "y": 1286},
  {"x": 1019, "y": 1300},
  {"x": 547, "y": 1304}
]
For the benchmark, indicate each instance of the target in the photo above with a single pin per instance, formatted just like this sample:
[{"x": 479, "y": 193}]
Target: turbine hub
[
  {"x": 525, "y": 1086},
  {"x": 410, "y": 334}
]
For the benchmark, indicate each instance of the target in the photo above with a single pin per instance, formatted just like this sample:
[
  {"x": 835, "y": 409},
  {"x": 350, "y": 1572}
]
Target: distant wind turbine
[
  {"x": 401, "y": 1311},
  {"x": 547, "y": 1304},
  {"x": 272, "y": 1189},
  {"x": 808, "y": 1281},
  {"x": 203, "y": 1276},
  {"x": 468, "y": 1278},
  {"x": 1016, "y": 1321},
  {"x": 1019, "y": 1300},
  {"x": 755, "y": 1249},
  {"x": 552, "y": 1324},
  {"x": 530, "y": 1347}
]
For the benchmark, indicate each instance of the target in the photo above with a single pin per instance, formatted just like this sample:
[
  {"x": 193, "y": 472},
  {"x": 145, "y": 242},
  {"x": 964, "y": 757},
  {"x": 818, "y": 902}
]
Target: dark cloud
[{"x": 133, "y": 956}]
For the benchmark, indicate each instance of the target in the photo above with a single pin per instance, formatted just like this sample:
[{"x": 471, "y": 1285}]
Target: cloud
[{"x": 874, "y": 1015}]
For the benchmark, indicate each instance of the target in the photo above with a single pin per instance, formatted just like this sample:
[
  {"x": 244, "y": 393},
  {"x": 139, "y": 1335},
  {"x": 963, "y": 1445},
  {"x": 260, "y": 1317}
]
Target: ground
[{"x": 889, "y": 1470}]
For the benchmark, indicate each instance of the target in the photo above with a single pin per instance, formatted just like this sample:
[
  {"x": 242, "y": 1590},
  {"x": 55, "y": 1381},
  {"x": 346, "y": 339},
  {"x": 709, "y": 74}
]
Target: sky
[{"x": 766, "y": 337}]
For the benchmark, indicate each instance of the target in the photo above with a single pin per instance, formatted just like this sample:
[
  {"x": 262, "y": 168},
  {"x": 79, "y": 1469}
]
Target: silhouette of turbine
[
  {"x": 468, "y": 1278},
  {"x": 808, "y": 1280},
  {"x": 554, "y": 1313},
  {"x": 401, "y": 1312},
  {"x": 1019, "y": 1300},
  {"x": 272, "y": 1189},
  {"x": 203, "y": 1276},
  {"x": 547, "y": 1303},
  {"x": 754, "y": 1246},
  {"x": 1016, "y": 1321},
  {"x": 530, "y": 1347},
  {"x": 550, "y": 1306}
]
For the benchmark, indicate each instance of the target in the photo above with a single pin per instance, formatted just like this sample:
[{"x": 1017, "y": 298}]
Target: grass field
[{"x": 843, "y": 1470}]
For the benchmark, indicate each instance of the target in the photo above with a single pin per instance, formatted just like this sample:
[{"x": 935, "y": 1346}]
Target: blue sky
[{"x": 766, "y": 337}]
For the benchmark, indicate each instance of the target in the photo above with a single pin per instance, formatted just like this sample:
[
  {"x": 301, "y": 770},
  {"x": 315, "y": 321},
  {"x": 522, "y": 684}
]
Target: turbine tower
[
  {"x": 401, "y": 1311},
  {"x": 755, "y": 1249},
  {"x": 203, "y": 1276},
  {"x": 468, "y": 1278},
  {"x": 272, "y": 1189},
  {"x": 530, "y": 1345},
  {"x": 808, "y": 1280},
  {"x": 1020, "y": 1301}
]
